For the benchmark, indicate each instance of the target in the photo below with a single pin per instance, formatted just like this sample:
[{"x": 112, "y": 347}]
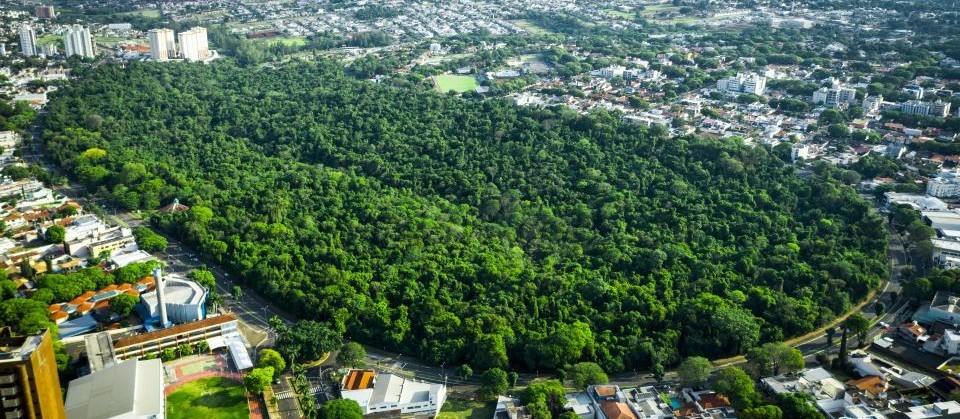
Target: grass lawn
[
  {"x": 459, "y": 84},
  {"x": 49, "y": 39},
  {"x": 466, "y": 409},
  {"x": 209, "y": 398},
  {"x": 530, "y": 27},
  {"x": 620, "y": 14},
  {"x": 286, "y": 40}
]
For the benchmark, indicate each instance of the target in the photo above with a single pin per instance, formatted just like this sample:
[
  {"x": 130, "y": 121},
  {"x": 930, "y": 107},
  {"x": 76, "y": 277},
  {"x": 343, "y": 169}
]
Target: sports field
[
  {"x": 459, "y": 84},
  {"x": 208, "y": 398}
]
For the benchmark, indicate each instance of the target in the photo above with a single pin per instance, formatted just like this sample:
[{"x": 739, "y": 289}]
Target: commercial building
[
  {"x": 29, "y": 385},
  {"x": 389, "y": 395},
  {"x": 28, "y": 41},
  {"x": 193, "y": 44},
  {"x": 162, "y": 44},
  {"x": 217, "y": 331},
  {"x": 77, "y": 41},
  {"x": 743, "y": 83},
  {"x": 939, "y": 109},
  {"x": 44, "y": 12},
  {"x": 131, "y": 389},
  {"x": 173, "y": 300},
  {"x": 835, "y": 97}
]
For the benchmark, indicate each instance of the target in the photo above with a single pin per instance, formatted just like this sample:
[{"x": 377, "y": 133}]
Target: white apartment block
[
  {"x": 78, "y": 41},
  {"x": 937, "y": 109},
  {"x": 193, "y": 44},
  {"x": 872, "y": 103},
  {"x": 163, "y": 45},
  {"x": 835, "y": 97},
  {"x": 28, "y": 41},
  {"x": 743, "y": 83}
]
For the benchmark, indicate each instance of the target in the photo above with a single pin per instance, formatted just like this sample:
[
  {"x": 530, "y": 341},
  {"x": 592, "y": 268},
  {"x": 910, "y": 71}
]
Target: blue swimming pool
[{"x": 675, "y": 403}]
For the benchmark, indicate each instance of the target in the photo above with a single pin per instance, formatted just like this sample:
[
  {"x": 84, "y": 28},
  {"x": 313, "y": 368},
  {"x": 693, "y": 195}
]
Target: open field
[
  {"x": 466, "y": 409},
  {"x": 530, "y": 27},
  {"x": 620, "y": 14},
  {"x": 49, "y": 39},
  {"x": 148, "y": 13},
  {"x": 653, "y": 9},
  {"x": 290, "y": 41},
  {"x": 459, "y": 84},
  {"x": 440, "y": 59},
  {"x": 208, "y": 398}
]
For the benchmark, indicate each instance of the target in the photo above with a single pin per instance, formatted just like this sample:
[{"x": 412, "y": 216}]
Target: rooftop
[
  {"x": 177, "y": 291},
  {"x": 133, "y": 388},
  {"x": 18, "y": 348},
  {"x": 359, "y": 380},
  {"x": 175, "y": 330}
]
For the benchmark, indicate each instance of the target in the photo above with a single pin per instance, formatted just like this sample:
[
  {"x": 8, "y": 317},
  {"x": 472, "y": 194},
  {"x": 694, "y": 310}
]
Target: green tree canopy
[
  {"x": 694, "y": 371},
  {"x": 351, "y": 355},
  {"x": 737, "y": 385},
  {"x": 341, "y": 409},
  {"x": 258, "y": 379},
  {"x": 273, "y": 359},
  {"x": 583, "y": 374}
]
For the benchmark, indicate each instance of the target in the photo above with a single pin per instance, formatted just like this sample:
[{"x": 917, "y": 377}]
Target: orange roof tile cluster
[
  {"x": 713, "y": 400},
  {"x": 913, "y": 329},
  {"x": 604, "y": 391},
  {"x": 616, "y": 410},
  {"x": 872, "y": 384},
  {"x": 174, "y": 331},
  {"x": 359, "y": 380}
]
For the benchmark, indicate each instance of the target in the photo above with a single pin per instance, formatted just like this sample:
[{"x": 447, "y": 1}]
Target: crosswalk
[
  {"x": 286, "y": 394},
  {"x": 315, "y": 388}
]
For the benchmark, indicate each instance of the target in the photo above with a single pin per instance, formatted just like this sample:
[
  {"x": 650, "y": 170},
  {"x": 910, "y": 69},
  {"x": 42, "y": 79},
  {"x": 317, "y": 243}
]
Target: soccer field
[
  {"x": 459, "y": 84},
  {"x": 208, "y": 398}
]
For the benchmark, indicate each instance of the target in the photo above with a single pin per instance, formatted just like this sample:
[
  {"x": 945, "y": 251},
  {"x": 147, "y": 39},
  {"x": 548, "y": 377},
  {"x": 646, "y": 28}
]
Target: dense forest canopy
[{"x": 472, "y": 231}]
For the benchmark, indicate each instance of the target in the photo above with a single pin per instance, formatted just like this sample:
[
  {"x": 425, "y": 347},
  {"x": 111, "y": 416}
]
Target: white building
[
  {"x": 872, "y": 103},
  {"x": 392, "y": 395},
  {"x": 835, "y": 97},
  {"x": 915, "y": 107},
  {"x": 131, "y": 389},
  {"x": 945, "y": 185},
  {"x": 78, "y": 41},
  {"x": 193, "y": 44},
  {"x": 163, "y": 45},
  {"x": 946, "y": 253},
  {"x": 935, "y": 410},
  {"x": 28, "y": 41},
  {"x": 743, "y": 83},
  {"x": 182, "y": 301}
]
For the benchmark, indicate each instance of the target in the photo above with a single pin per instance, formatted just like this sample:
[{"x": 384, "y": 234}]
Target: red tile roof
[
  {"x": 616, "y": 410},
  {"x": 174, "y": 331}
]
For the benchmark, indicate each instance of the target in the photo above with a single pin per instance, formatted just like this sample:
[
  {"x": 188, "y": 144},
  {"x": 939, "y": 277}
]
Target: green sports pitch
[
  {"x": 459, "y": 84},
  {"x": 208, "y": 398}
]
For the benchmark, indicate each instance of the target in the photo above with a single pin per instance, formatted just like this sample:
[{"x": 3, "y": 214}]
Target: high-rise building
[
  {"x": 940, "y": 109},
  {"x": 78, "y": 41},
  {"x": 44, "y": 12},
  {"x": 29, "y": 385},
  {"x": 193, "y": 44},
  {"x": 28, "y": 41},
  {"x": 163, "y": 45}
]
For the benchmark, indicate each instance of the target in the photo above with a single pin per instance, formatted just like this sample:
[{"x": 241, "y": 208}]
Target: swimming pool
[{"x": 675, "y": 403}]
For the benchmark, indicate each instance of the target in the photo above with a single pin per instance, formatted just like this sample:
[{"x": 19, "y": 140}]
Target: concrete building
[
  {"x": 29, "y": 384},
  {"x": 950, "y": 409},
  {"x": 44, "y": 12},
  {"x": 940, "y": 109},
  {"x": 162, "y": 44},
  {"x": 945, "y": 185},
  {"x": 915, "y": 107},
  {"x": 131, "y": 389},
  {"x": 835, "y": 97},
  {"x": 174, "y": 300},
  {"x": 28, "y": 41},
  {"x": 193, "y": 44},
  {"x": 743, "y": 83},
  {"x": 946, "y": 254},
  {"x": 48, "y": 50},
  {"x": 945, "y": 307},
  {"x": 390, "y": 395},
  {"x": 610, "y": 403},
  {"x": 217, "y": 331},
  {"x": 77, "y": 41},
  {"x": 872, "y": 103}
]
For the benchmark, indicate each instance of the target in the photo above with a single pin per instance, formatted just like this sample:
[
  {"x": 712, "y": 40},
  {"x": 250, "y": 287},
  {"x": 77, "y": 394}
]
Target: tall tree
[
  {"x": 737, "y": 385},
  {"x": 351, "y": 355},
  {"x": 272, "y": 358},
  {"x": 341, "y": 409},
  {"x": 584, "y": 374},
  {"x": 493, "y": 383},
  {"x": 694, "y": 371}
]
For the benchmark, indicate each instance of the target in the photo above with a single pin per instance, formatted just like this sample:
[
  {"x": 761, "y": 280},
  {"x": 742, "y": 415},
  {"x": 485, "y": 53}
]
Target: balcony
[
  {"x": 8, "y": 379},
  {"x": 13, "y": 414},
  {"x": 8, "y": 403},
  {"x": 10, "y": 391}
]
